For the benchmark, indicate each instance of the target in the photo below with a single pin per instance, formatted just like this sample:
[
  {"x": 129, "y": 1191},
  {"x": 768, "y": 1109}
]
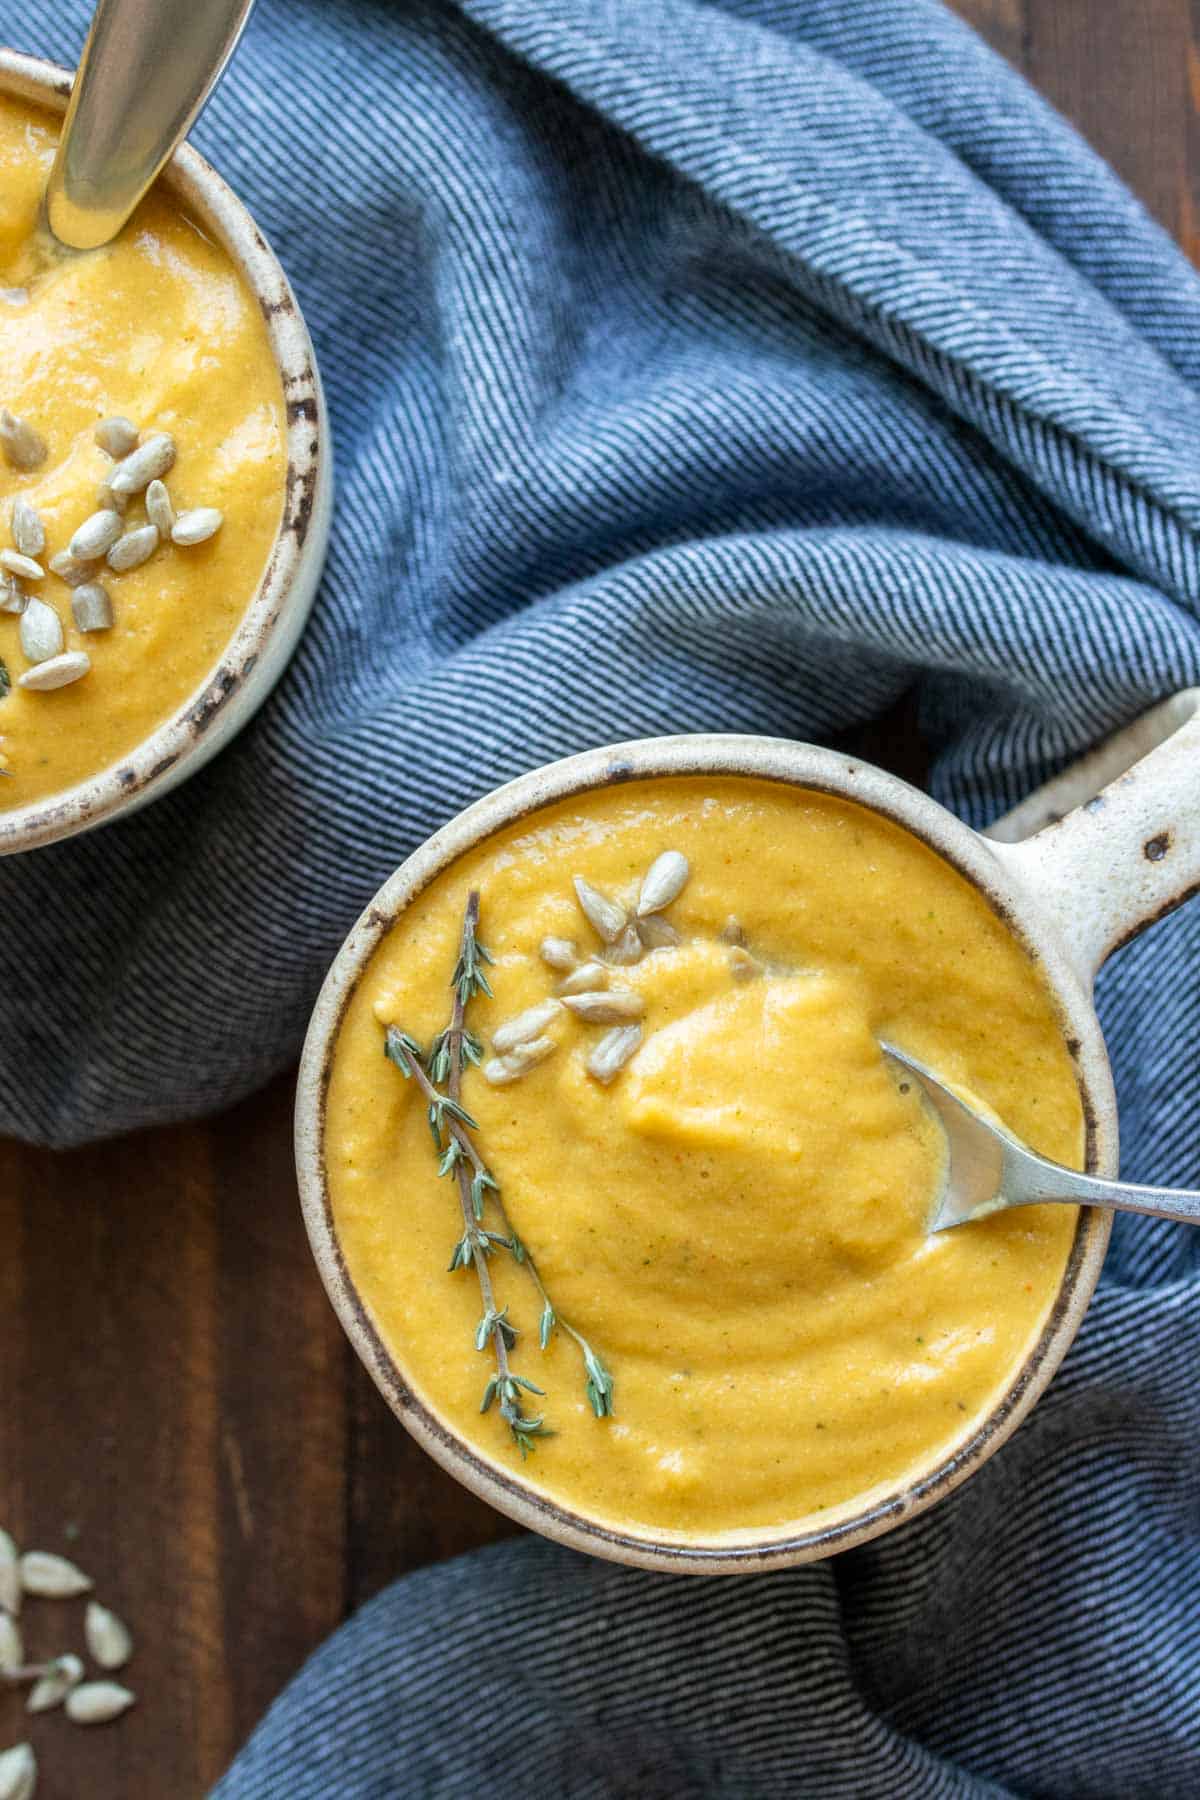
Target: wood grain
[{"x": 178, "y": 1409}]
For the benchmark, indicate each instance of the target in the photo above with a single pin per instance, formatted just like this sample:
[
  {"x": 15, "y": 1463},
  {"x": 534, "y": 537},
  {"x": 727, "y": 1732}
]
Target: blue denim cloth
[{"x": 694, "y": 363}]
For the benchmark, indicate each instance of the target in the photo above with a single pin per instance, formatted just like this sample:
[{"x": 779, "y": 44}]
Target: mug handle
[{"x": 1115, "y": 839}]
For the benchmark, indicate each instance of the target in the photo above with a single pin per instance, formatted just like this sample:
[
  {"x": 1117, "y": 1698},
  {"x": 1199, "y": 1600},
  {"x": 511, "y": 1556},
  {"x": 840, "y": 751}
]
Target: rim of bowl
[
  {"x": 796, "y": 765},
  {"x": 207, "y": 198}
]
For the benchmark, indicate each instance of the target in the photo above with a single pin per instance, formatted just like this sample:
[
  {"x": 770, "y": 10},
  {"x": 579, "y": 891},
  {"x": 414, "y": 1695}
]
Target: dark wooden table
[{"x": 178, "y": 1409}]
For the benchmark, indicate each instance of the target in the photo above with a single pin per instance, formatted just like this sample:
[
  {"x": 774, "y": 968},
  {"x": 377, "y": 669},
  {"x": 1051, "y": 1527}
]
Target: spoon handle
[
  {"x": 1031, "y": 1181},
  {"x": 147, "y": 68}
]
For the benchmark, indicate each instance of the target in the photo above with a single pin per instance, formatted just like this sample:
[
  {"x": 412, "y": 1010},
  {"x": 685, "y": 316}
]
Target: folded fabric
[
  {"x": 694, "y": 363},
  {"x": 691, "y": 365}
]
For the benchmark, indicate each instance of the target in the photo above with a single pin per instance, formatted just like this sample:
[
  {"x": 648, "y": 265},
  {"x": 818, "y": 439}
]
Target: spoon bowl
[{"x": 987, "y": 1170}]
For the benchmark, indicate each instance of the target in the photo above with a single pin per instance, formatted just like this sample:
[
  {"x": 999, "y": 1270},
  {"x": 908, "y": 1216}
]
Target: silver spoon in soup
[
  {"x": 147, "y": 68},
  {"x": 987, "y": 1170}
]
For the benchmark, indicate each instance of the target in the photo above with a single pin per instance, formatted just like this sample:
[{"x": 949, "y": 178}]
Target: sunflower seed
[
  {"x": 91, "y": 607},
  {"x": 108, "y": 1637},
  {"x": 52, "y": 1688},
  {"x": 613, "y": 1052},
  {"x": 41, "y": 632},
  {"x": 135, "y": 548},
  {"x": 159, "y": 510},
  {"x": 18, "y": 1773},
  {"x": 664, "y": 882},
  {"x": 607, "y": 917},
  {"x": 586, "y": 979},
  {"x": 117, "y": 436},
  {"x": 10, "y": 1576},
  {"x": 107, "y": 501},
  {"x": 24, "y": 566},
  {"x": 68, "y": 569},
  {"x": 13, "y": 598},
  {"x": 58, "y": 671},
  {"x": 502, "y": 1070},
  {"x": 12, "y": 1648},
  {"x": 658, "y": 933},
  {"x": 606, "y": 1009},
  {"x": 197, "y": 526},
  {"x": 14, "y": 296},
  {"x": 52, "y": 1577},
  {"x": 98, "y": 1701},
  {"x": 628, "y": 948},
  {"x": 147, "y": 463},
  {"x": 28, "y": 532},
  {"x": 558, "y": 952},
  {"x": 526, "y": 1026},
  {"x": 22, "y": 447},
  {"x": 731, "y": 931},
  {"x": 743, "y": 966},
  {"x": 97, "y": 534}
]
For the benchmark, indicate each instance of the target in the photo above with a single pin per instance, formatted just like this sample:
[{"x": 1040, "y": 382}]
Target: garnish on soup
[{"x": 733, "y": 1208}]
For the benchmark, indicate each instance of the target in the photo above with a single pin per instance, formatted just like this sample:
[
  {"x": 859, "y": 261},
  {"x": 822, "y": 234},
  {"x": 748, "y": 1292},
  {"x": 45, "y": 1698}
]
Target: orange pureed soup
[
  {"x": 160, "y": 328},
  {"x": 732, "y": 1219}
]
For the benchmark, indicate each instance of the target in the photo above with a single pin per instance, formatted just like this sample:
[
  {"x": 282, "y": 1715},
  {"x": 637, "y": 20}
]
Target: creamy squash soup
[
  {"x": 142, "y": 467},
  {"x": 631, "y": 1193}
]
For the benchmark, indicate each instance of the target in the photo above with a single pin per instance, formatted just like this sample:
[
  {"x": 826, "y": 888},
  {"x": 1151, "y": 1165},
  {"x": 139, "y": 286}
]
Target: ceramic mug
[
  {"x": 1096, "y": 869},
  {"x": 255, "y": 656}
]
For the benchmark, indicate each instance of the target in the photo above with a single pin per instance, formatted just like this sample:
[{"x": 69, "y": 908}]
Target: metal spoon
[
  {"x": 147, "y": 68},
  {"x": 988, "y": 1170}
]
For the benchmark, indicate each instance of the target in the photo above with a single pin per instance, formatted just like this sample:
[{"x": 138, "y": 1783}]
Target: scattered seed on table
[
  {"x": 525, "y": 1027},
  {"x": 96, "y": 1702},
  {"x": 52, "y": 1688},
  {"x": 10, "y": 1576},
  {"x": 28, "y": 532},
  {"x": 13, "y": 598},
  {"x": 108, "y": 1637},
  {"x": 606, "y": 1009},
  {"x": 91, "y": 607},
  {"x": 12, "y": 1647},
  {"x": 18, "y": 1773},
  {"x": 145, "y": 464},
  {"x": 159, "y": 510},
  {"x": 613, "y": 1052},
  {"x": 22, "y": 447},
  {"x": 58, "y": 672},
  {"x": 98, "y": 533},
  {"x": 24, "y": 566},
  {"x": 52, "y": 1577},
  {"x": 69, "y": 569},
  {"x": 41, "y": 632},
  {"x": 197, "y": 526},
  {"x": 132, "y": 550},
  {"x": 117, "y": 436}
]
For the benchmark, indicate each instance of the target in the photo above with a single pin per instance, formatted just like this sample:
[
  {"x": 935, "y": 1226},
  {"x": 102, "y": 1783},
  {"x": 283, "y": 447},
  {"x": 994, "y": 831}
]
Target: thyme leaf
[{"x": 439, "y": 1077}]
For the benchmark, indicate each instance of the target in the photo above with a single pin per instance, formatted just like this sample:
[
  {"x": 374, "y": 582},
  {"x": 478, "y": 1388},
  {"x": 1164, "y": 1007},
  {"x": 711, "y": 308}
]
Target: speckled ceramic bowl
[
  {"x": 1071, "y": 884},
  {"x": 255, "y": 656}
]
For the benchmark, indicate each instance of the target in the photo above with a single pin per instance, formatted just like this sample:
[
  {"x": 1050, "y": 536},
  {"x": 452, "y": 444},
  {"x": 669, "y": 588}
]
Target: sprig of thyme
[
  {"x": 450, "y": 1126},
  {"x": 450, "y": 1052}
]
